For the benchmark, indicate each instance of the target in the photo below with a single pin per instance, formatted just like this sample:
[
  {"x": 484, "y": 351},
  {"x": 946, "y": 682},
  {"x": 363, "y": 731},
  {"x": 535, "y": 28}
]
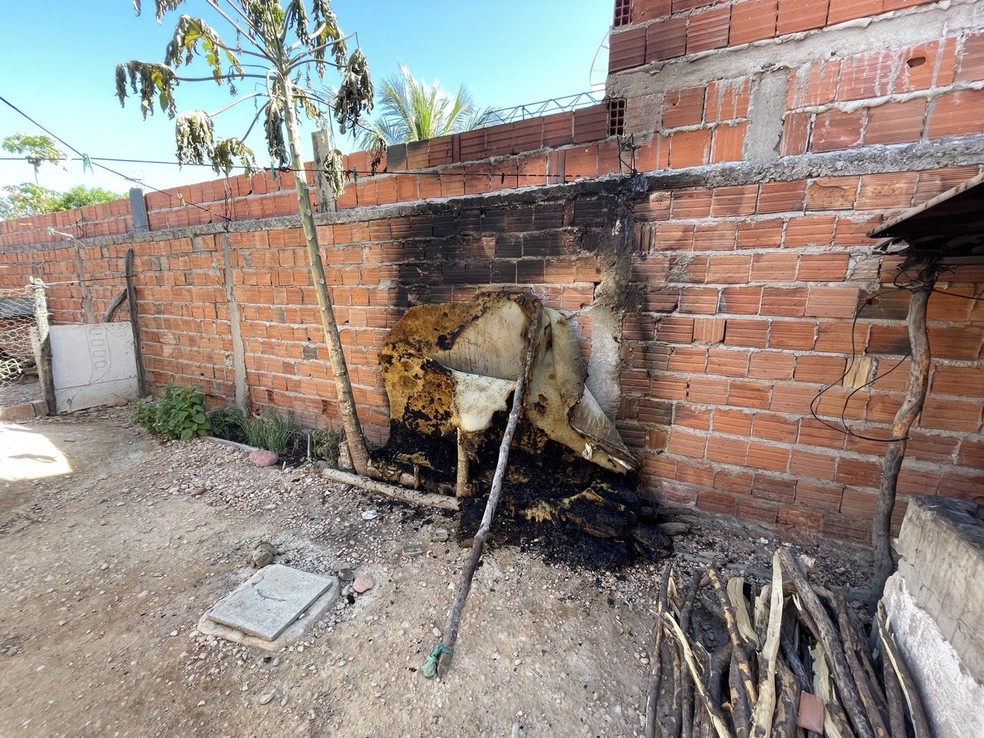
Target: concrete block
[
  {"x": 941, "y": 545},
  {"x": 271, "y": 600},
  {"x": 92, "y": 365},
  {"x": 953, "y": 696}
]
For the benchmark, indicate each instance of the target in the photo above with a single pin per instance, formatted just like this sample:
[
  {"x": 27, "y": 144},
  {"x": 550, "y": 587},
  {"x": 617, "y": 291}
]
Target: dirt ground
[{"x": 115, "y": 544}]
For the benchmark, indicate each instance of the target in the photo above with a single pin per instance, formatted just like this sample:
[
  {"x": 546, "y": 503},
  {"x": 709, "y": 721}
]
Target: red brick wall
[
  {"x": 746, "y": 299},
  {"x": 105, "y": 219},
  {"x": 215, "y": 202},
  {"x": 376, "y": 269}
]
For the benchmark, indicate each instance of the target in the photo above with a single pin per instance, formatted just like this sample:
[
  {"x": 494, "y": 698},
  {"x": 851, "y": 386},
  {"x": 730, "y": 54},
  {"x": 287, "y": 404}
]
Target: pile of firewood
[{"x": 793, "y": 660}]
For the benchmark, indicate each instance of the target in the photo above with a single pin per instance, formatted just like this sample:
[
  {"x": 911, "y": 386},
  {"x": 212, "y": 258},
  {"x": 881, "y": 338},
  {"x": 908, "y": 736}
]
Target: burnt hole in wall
[
  {"x": 616, "y": 116},
  {"x": 623, "y": 13}
]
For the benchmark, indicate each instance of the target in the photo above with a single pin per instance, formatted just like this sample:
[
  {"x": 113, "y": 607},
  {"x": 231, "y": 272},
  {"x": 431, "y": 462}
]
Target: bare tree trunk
[
  {"x": 881, "y": 524},
  {"x": 350, "y": 418}
]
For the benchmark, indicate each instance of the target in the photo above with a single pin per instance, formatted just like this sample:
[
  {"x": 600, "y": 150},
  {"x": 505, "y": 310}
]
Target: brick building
[{"x": 705, "y": 228}]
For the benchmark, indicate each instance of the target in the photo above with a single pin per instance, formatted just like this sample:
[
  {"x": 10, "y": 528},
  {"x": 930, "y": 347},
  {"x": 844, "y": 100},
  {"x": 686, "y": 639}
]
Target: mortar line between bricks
[
  {"x": 791, "y": 445},
  {"x": 851, "y": 106}
]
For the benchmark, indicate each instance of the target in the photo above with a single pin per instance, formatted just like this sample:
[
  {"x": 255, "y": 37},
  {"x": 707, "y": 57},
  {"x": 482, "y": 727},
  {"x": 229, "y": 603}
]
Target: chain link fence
[{"x": 16, "y": 321}]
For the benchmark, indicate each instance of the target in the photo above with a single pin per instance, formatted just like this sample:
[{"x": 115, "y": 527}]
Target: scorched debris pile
[{"x": 450, "y": 369}]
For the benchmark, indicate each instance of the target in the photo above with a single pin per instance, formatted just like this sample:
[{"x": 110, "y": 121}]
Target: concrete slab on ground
[{"x": 271, "y": 600}]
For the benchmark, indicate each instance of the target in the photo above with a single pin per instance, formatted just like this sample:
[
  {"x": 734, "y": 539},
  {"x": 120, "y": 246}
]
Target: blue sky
[{"x": 57, "y": 61}]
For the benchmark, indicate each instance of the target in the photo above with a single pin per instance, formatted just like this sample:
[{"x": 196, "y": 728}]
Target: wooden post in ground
[
  {"x": 42, "y": 344},
  {"x": 131, "y": 298}
]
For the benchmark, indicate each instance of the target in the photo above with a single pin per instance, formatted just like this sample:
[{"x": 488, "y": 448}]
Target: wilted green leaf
[
  {"x": 194, "y": 137},
  {"x": 228, "y": 151},
  {"x": 354, "y": 96},
  {"x": 147, "y": 80},
  {"x": 184, "y": 45}
]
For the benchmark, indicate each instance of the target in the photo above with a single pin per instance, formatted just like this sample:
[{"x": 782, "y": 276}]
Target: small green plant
[
  {"x": 178, "y": 413},
  {"x": 273, "y": 432},
  {"x": 227, "y": 423},
  {"x": 325, "y": 442}
]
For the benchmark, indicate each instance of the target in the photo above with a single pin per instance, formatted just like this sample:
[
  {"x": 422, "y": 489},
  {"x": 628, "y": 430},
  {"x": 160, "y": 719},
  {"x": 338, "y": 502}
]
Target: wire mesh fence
[{"x": 16, "y": 321}]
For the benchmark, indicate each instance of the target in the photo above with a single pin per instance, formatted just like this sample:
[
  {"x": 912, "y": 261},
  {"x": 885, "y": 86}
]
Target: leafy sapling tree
[
  {"x": 36, "y": 150},
  {"x": 276, "y": 47}
]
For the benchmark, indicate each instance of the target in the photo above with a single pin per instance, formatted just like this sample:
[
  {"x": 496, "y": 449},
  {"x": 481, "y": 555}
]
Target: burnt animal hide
[{"x": 449, "y": 368}]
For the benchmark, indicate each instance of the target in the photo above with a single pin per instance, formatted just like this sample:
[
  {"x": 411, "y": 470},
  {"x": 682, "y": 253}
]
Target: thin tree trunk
[
  {"x": 881, "y": 524},
  {"x": 346, "y": 402}
]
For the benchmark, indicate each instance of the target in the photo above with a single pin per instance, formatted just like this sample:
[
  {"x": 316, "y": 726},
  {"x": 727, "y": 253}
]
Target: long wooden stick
[
  {"x": 410, "y": 496},
  {"x": 464, "y": 586},
  {"x": 872, "y": 705},
  {"x": 111, "y": 309},
  {"x": 893, "y": 696},
  {"x": 744, "y": 669},
  {"x": 920, "y": 724},
  {"x": 462, "y": 485},
  {"x": 673, "y": 720},
  {"x": 713, "y": 711},
  {"x": 881, "y": 524},
  {"x": 131, "y": 297},
  {"x": 787, "y": 703},
  {"x": 687, "y": 715},
  {"x": 826, "y": 633},
  {"x": 863, "y": 644},
  {"x": 717, "y": 663},
  {"x": 655, "y": 683},
  {"x": 741, "y": 708},
  {"x": 766, "y": 705}
]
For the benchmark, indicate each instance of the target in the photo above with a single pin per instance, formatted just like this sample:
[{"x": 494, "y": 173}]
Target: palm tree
[{"x": 415, "y": 111}]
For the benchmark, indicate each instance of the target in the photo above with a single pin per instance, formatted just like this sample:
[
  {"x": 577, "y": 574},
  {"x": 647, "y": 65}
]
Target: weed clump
[{"x": 179, "y": 413}]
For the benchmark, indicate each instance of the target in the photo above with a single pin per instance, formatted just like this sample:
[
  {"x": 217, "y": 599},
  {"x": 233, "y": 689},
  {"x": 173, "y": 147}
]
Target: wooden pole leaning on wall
[
  {"x": 439, "y": 661},
  {"x": 915, "y": 397},
  {"x": 131, "y": 297}
]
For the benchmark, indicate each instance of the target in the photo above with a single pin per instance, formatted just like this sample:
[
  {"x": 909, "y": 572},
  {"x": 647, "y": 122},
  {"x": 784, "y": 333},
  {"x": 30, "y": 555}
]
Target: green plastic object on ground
[{"x": 430, "y": 665}]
